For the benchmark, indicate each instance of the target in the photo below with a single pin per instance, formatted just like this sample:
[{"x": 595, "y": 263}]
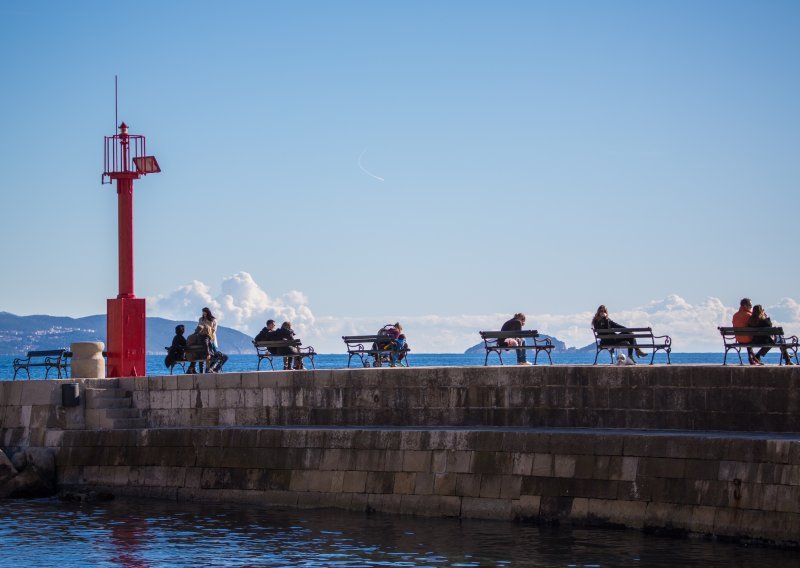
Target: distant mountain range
[{"x": 20, "y": 334}]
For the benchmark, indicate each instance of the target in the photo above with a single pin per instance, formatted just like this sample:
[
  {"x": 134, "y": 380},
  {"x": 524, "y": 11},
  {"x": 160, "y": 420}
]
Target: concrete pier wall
[
  {"x": 707, "y": 450},
  {"x": 765, "y": 399},
  {"x": 738, "y": 487}
]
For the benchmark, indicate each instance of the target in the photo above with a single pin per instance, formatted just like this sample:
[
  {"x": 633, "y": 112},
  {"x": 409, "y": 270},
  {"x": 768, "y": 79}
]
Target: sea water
[
  {"x": 247, "y": 363},
  {"x": 140, "y": 532}
]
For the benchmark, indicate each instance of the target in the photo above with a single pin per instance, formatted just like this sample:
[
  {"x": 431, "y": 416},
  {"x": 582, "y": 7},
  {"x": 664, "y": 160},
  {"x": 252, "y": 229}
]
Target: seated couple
[
  {"x": 755, "y": 316},
  {"x": 602, "y": 321},
  {"x": 284, "y": 333}
]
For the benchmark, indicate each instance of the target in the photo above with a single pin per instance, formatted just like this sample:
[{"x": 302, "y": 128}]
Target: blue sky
[{"x": 536, "y": 156}]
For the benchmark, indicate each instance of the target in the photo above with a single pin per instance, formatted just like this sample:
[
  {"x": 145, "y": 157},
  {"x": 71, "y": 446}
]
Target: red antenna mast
[{"x": 125, "y": 160}]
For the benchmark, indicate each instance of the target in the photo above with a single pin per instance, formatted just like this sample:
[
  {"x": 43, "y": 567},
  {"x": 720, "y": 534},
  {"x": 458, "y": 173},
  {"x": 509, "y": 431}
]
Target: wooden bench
[
  {"x": 376, "y": 346},
  {"x": 788, "y": 344},
  {"x": 264, "y": 351},
  {"x": 191, "y": 354},
  {"x": 612, "y": 339},
  {"x": 492, "y": 343},
  {"x": 49, "y": 359}
]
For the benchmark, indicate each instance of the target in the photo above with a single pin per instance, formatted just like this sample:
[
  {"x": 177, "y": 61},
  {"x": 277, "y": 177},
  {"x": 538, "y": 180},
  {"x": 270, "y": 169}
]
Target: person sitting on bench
[
  {"x": 286, "y": 333},
  {"x": 761, "y": 319},
  {"x": 200, "y": 337},
  {"x": 267, "y": 333},
  {"x": 515, "y": 324},
  {"x": 177, "y": 351},
  {"x": 740, "y": 319},
  {"x": 602, "y": 321}
]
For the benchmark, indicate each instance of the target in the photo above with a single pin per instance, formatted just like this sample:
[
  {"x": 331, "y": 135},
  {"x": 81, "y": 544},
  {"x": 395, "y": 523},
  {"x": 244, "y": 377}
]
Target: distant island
[
  {"x": 559, "y": 346},
  {"x": 20, "y": 334}
]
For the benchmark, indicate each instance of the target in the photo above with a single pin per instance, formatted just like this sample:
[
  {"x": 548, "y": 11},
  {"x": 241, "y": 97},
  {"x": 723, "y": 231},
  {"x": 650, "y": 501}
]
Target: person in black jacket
[
  {"x": 286, "y": 333},
  {"x": 515, "y": 324},
  {"x": 177, "y": 351},
  {"x": 267, "y": 333},
  {"x": 602, "y": 321},
  {"x": 761, "y": 319}
]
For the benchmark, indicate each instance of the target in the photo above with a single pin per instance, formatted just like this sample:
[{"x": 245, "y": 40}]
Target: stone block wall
[
  {"x": 763, "y": 399},
  {"x": 709, "y": 484},
  {"x": 31, "y": 409}
]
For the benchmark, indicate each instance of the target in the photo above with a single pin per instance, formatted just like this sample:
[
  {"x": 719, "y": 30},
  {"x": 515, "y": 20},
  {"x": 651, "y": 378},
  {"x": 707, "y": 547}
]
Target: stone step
[
  {"x": 128, "y": 423},
  {"x": 107, "y": 398},
  {"x": 101, "y": 403},
  {"x": 114, "y": 413},
  {"x": 106, "y": 393}
]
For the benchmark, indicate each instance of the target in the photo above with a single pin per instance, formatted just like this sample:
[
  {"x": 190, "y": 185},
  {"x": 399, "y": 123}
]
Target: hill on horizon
[
  {"x": 559, "y": 346},
  {"x": 20, "y": 334}
]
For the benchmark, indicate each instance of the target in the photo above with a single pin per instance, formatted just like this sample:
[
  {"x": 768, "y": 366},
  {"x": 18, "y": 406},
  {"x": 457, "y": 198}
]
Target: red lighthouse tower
[{"x": 126, "y": 159}]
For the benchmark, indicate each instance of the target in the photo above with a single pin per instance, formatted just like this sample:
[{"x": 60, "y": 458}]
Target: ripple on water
[{"x": 157, "y": 533}]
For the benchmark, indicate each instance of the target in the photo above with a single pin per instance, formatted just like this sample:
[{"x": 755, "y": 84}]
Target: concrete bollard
[{"x": 87, "y": 360}]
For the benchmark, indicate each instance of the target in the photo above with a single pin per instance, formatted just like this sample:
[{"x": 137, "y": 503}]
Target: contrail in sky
[{"x": 363, "y": 169}]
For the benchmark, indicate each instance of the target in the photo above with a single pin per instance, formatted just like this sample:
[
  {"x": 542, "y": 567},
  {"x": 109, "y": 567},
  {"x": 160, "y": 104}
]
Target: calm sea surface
[
  {"x": 243, "y": 363},
  {"x": 156, "y": 533}
]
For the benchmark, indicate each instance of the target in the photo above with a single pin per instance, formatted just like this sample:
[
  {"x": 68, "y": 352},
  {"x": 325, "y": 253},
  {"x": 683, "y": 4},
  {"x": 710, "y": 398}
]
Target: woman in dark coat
[
  {"x": 761, "y": 319},
  {"x": 602, "y": 321},
  {"x": 286, "y": 333}
]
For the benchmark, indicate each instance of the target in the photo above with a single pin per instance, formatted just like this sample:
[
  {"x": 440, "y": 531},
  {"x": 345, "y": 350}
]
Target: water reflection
[{"x": 156, "y": 533}]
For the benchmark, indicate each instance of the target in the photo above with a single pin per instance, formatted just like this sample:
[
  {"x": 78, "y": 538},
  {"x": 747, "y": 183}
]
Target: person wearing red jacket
[{"x": 740, "y": 319}]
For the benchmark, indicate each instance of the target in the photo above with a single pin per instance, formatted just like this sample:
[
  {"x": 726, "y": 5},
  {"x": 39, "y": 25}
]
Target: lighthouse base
[{"x": 126, "y": 337}]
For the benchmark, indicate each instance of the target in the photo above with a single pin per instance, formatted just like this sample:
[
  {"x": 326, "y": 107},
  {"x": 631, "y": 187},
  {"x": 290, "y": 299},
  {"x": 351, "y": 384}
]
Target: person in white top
[{"x": 209, "y": 320}]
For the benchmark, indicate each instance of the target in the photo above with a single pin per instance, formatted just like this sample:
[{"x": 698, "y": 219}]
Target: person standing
[
  {"x": 210, "y": 321},
  {"x": 761, "y": 319},
  {"x": 740, "y": 319},
  {"x": 515, "y": 324}
]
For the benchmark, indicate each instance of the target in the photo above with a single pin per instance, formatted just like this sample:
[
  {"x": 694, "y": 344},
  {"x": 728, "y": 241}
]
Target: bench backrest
[
  {"x": 495, "y": 335},
  {"x": 364, "y": 338},
  {"x": 278, "y": 343},
  {"x": 361, "y": 343},
  {"x": 47, "y": 353},
  {"x": 726, "y": 331},
  {"x": 624, "y": 333}
]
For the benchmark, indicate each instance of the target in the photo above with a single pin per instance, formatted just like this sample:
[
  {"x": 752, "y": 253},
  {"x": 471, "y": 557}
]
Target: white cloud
[{"x": 242, "y": 304}]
